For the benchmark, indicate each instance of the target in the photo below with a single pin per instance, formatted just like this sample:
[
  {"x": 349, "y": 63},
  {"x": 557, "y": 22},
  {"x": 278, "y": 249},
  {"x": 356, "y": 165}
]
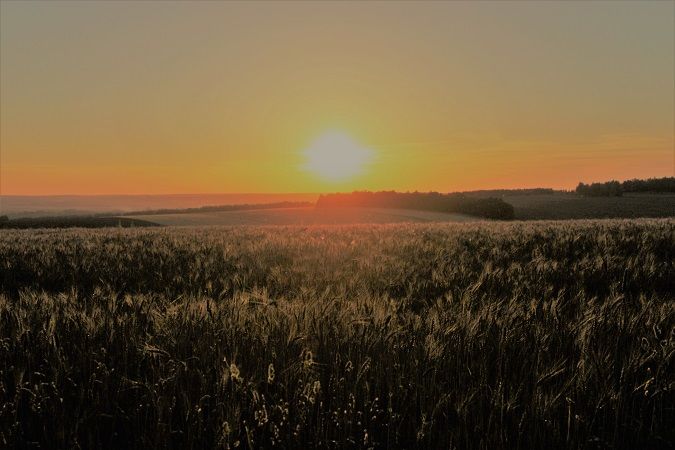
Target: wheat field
[
  {"x": 305, "y": 216},
  {"x": 451, "y": 336}
]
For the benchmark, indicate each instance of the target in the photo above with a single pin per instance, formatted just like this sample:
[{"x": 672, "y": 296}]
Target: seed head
[
  {"x": 234, "y": 373},
  {"x": 270, "y": 373}
]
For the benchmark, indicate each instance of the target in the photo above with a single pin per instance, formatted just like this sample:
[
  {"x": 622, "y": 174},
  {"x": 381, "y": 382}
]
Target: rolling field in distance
[
  {"x": 572, "y": 206},
  {"x": 555, "y": 206},
  {"x": 445, "y": 335},
  {"x": 304, "y": 216},
  {"x": 527, "y": 205},
  {"x": 58, "y": 205}
]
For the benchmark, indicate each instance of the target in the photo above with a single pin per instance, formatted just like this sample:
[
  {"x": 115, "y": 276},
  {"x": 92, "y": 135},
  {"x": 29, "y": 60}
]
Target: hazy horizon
[{"x": 15, "y": 205}]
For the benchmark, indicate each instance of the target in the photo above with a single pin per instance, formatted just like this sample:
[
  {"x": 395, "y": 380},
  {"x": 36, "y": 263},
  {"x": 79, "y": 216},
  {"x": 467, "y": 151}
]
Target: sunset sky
[{"x": 183, "y": 97}]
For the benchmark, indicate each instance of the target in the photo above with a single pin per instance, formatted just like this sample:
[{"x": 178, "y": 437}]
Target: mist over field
[{"x": 37, "y": 205}]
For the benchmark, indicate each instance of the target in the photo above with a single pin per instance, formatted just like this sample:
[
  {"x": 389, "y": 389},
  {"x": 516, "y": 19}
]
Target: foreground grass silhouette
[{"x": 546, "y": 335}]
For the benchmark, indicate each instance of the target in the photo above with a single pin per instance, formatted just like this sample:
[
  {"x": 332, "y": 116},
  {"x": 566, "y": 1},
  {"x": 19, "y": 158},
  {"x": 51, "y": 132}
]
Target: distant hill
[
  {"x": 103, "y": 220},
  {"x": 563, "y": 206},
  {"x": 87, "y": 205},
  {"x": 307, "y": 216},
  {"x": 217, "y": 208},
  {"x": 508, "y": 192},
  {"x": 613, "y": 199},
  {"x": 490, "y": 208}
]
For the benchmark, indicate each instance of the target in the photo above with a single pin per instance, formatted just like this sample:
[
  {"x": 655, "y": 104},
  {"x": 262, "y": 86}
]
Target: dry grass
[{"x": 547, "y": 335}]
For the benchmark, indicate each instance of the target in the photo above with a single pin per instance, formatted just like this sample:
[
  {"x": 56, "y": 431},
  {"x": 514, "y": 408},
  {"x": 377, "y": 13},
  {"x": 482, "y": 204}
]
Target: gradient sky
[{"x": 153, "y": 97}]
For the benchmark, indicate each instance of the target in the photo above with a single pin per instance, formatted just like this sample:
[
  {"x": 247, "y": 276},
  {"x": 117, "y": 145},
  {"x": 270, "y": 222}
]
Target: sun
[{"x": 335, "y": 156}]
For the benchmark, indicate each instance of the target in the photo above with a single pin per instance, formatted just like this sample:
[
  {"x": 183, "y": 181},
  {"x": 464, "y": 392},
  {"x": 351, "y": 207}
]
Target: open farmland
[
  {"x": 573, "y": 206},
  {"x": 304, "y": 216},
  {"x": 482, "y": 335}
]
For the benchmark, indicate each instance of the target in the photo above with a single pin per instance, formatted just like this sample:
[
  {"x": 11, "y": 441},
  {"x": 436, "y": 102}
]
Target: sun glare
[{"x": 335, "y": 156}]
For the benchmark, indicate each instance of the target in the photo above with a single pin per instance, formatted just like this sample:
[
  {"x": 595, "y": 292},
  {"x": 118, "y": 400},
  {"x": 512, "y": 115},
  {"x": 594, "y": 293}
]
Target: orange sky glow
[{"x": 182, "y": 97}]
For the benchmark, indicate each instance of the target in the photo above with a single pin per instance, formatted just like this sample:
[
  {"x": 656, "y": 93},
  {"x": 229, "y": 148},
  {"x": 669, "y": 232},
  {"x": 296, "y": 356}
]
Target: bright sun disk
[{"x": 335, "y": 156}]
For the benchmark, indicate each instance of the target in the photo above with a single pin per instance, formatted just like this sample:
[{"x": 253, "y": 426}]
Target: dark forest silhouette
[{"x": 616, "y": 189}]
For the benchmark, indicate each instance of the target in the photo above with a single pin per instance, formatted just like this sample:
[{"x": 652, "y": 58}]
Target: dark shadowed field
[
  {"x": 468, "y": 336},
  {"x": 572, "y": 206}
]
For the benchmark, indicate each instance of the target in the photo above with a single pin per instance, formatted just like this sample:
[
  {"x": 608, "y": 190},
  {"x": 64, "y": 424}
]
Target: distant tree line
[
  {"x": 666, "y": 184},
  {"x": 616, "y": 189},
  {"x": 491, "y": 208},
  {"x": 607, "y": 189}
]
